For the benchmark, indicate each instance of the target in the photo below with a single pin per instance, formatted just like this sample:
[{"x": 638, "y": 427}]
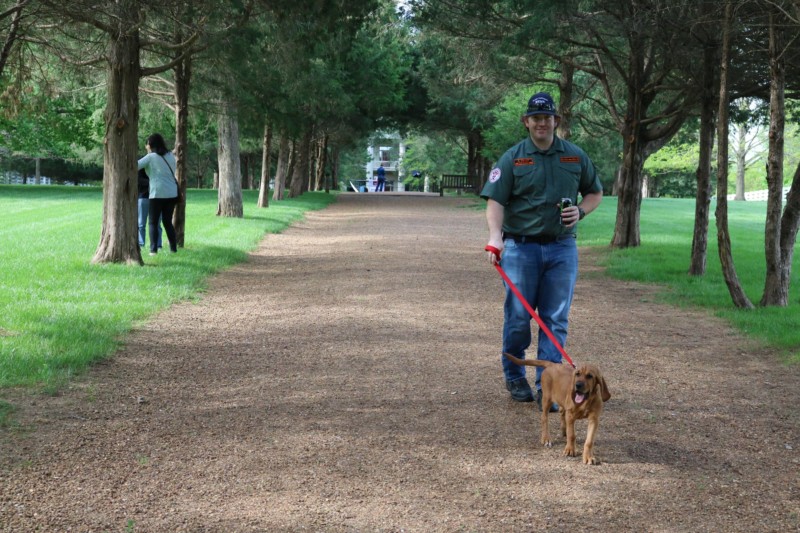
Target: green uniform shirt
[{"x": 530, "y": 184}]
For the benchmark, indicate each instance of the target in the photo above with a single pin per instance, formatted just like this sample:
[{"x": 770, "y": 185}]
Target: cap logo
[{"x": 541, "y": 104}]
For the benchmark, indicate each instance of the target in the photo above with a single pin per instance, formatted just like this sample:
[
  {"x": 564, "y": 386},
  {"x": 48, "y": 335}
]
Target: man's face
[{"x": 541, "y": 128}]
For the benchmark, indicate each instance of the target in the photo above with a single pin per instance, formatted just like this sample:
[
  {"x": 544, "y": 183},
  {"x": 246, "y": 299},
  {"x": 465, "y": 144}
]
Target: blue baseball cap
[{"x": 541, "y": 104}]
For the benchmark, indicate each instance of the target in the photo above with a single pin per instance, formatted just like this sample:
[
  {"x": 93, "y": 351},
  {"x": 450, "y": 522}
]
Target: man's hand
[
  {"x": 494, "y": 257},
  {"x": 570, "y": 216}
]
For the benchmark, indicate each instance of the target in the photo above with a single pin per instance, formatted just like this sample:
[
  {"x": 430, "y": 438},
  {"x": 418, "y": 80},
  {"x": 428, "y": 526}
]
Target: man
[
  {"x": 535, "y": 236},
  {"x": 381, "y": 179}
]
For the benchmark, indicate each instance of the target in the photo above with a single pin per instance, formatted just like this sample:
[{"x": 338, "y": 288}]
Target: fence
[{"x": 758, "y": 196}]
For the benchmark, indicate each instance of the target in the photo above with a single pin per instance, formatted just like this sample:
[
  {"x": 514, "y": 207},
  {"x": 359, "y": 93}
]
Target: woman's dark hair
[{"x": 157, "y": 144}]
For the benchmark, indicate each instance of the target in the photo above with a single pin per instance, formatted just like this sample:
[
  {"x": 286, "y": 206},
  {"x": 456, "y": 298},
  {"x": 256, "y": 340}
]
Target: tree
[
  {"x": 708, "y": 101},
  {"x": 462, "y": 96},
  {"x": 122, "y": 23},
  {"x": 176, "y": 23},
  {"x": 266, "y": 162},
  {"x": 777, "y": 245},
  {"x": 747, "y": 144},
  {"x": 629, "y": 55},
  {"x": 13, "y": 16},
  {"x": 230, "y": 175},
  {"x": 638, "y": 45},
  {"x": 434, "y": 153},
  {"x": 723, "y": 235},
  {"x": 299, "y": 183}
]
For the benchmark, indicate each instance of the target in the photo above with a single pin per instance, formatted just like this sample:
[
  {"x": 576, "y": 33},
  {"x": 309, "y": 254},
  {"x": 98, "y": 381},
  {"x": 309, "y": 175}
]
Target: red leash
[{"x": 522, "y": 299}]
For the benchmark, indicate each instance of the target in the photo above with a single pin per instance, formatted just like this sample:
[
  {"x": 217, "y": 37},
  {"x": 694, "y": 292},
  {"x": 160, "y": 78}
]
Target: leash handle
[
  {"x": 495, "y": 251},
  {"x": 528, "y": 307}
]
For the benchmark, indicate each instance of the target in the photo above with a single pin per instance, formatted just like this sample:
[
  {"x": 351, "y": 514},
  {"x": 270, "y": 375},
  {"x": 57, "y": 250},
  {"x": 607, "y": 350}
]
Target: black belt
[{"x": 538, "y": 239}]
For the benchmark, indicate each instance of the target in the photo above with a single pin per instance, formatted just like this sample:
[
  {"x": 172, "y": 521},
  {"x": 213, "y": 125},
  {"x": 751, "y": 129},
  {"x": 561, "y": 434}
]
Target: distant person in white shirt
[{"x": 159, "y": 163}]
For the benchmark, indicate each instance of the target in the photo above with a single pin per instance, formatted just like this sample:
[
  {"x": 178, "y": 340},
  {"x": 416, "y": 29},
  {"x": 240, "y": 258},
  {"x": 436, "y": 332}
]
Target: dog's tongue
[{"x": 579, "y": 398}]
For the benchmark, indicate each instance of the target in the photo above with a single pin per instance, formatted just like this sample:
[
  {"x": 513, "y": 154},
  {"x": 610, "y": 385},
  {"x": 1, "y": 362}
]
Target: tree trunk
[
  {"x": 697, "y": 265},
  {"x": 629, "y": 192},
  {"x": 775, "y": 293},
  {"x": 291, "y": 163},
  {"x": 266, "y": 161},
  {"x": 638, "y": 143},
  {"x": 473, "y": 149},
  {"x": 486, "y": 167},
  {"x": 300, "y": 174},
  {"x": 741, "y": 162},
  {"x": 313, "y": 157},
  {"x": 334, "y": 181},
  {"x": 723, "y": 236},
  {"x": 244, "y": 162},
  {"x": 322, "y": 163},
  {"x": 789, "y": 226},
  {"x": 565, "y": 89},
  {"x": 281, "y": 171},
  {"x": 250, "y": 172},
  {"x": 118, "y": 238},
  {"x": 230, "y": 172},
  {"x": 183, "y": 76}
]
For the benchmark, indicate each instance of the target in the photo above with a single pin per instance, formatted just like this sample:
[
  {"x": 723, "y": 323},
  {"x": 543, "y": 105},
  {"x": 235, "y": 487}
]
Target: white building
[{"x": 387, "y": 151}]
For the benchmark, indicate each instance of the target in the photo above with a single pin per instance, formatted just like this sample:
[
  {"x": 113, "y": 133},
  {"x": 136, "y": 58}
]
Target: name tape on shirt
[
  {"x": 495, "y": 175},
  {"x": 523, "y": 161},
  {"x": 570, "y": 159}
]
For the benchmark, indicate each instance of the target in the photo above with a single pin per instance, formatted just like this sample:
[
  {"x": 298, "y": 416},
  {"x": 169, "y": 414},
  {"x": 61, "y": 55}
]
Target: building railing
[{"x": 388, "y": 165}]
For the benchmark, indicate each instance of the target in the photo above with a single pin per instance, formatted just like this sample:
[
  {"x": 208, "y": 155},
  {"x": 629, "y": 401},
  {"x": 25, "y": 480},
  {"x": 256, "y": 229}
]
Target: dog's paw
[
  {"x": 547, "y": 443},
  {"x": 569, "y": 451},
  {"x": 591, "y": 460}
]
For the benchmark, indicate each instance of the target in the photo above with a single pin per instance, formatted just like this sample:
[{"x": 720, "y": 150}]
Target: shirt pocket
[
  {"x": 529, "y": 183},
  {"x": 569, "y": 176}
]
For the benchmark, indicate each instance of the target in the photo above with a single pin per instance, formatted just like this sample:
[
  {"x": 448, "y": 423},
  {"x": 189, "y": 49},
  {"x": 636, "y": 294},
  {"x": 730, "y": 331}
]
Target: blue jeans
[
  {"x": 545, "y": 274},
  {"x": 144, "y": 210}
]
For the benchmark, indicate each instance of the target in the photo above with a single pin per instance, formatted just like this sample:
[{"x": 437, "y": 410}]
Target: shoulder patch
[
  {"x": 495, "y": 175},
  {"x": 570, "y": 159},
  {"x": 523, "y": 161}
]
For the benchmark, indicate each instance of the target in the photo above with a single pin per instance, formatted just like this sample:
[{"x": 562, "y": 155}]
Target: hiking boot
[
  {"x": 553, "y": 406},
  {"x": 520, "y": 390}
]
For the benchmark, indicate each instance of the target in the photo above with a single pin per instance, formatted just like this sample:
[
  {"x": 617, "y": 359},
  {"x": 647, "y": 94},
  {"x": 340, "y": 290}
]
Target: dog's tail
[{"x": 529, "y": 362}]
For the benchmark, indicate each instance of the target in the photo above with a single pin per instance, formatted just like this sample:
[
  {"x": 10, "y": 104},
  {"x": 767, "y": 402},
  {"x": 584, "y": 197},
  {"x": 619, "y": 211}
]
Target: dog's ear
[{"x": 605, "y": 394}]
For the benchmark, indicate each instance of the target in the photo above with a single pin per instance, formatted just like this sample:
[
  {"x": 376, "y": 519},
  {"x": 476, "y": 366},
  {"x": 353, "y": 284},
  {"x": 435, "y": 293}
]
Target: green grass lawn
[
  {"x": 59, "y": 313},
  {"x": 664, "y": 255}
]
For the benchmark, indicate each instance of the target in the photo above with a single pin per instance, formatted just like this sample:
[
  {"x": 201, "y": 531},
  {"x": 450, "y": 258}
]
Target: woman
[{"x": 159, "y": 163}]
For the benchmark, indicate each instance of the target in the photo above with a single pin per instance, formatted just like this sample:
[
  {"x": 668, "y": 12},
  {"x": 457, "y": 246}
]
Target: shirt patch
[
  {"x": 495, "y": 175},
  {"x": 571, "y": 159},
  {"x": 523, "y": 161}
]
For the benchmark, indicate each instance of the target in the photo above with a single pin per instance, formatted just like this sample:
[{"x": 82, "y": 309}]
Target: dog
[{"x": 579, "y": 392}]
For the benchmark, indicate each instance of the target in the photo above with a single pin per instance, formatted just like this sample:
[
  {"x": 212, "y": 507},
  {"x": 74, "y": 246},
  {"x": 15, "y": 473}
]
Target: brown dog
[{"x": 579, "y": 393}]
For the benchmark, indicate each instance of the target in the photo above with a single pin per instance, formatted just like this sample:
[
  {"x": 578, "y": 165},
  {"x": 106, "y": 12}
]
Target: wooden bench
[{"x": 455, "y": 181}]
